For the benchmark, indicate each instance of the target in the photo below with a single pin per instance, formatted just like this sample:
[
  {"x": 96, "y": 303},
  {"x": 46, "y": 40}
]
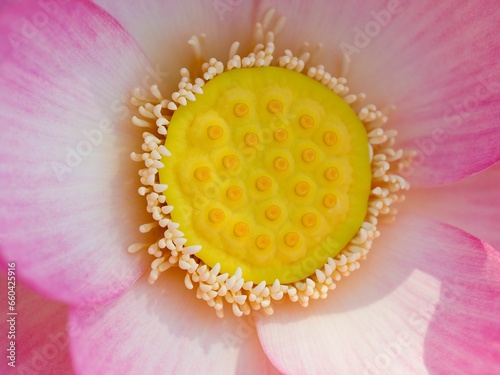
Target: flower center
[
  {"x": 265, "y": 176},
  {"x": 269, "y": 172}
]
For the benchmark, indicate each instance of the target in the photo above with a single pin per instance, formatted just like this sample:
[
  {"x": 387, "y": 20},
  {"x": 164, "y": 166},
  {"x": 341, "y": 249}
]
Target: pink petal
[
  {"x": 426, "y": 300},
  {"x": 41, "y": 334},
  {"x": 164, "y": 329},
  {"x": 68, "y": 207},
  {"x": 438, "y": 64},
  {"x": 471, "y": 204},
  {"x": 163, "y": 27}
]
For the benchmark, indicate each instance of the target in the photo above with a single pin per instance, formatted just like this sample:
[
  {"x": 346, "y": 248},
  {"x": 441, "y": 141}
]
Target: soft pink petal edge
[
  {"x": 472, "y": 204},
  {"x": 41, "y": 334},
  {"x": 437, "y": 63},
  {"x": 65, "y": 76},
  {"x": 163, "y": 329},
  {"x": 426, "y": 300}
]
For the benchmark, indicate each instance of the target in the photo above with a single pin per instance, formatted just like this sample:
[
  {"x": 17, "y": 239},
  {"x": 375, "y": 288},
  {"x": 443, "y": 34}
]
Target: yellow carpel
[
  {"x": 202, "y": 173},
  {"x": 306, "y": 121},
  {"x": 215, "y": 132},
  {"x": 308, "y": 155},
  {"x": 329, "y": 200},
  {"x": 273, "y": 212},
  {"x": 331, "y": 174},
  {"x": 309, "y": 220},
  {"x": 251, "y": 139},
  {"x": 330, "y": 138},
  {"x": 280, "y": 135},
  {"x": 230, "y": 161},
  {"x": 292, "y": 239},
  {"x": 234, "y": 193},
  {"x": 302, "y": 188},
  {"x": 274, "y": 106},
  {"x": 216, "y": 215},
  {"x": 263, "y": 183},
  {"x": 262, "y": 241},
  {"x": 281, "y": 164},
  {"x": 240, "y": 109},
  {"x": 241, "y": 229}
]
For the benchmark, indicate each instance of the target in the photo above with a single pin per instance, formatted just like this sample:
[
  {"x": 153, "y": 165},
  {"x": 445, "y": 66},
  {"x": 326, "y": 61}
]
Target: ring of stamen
[{"x": 173, "y": 247}]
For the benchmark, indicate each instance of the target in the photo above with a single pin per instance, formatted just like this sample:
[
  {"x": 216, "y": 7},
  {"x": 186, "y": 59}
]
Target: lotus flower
[{"x": 425, "y": 301}]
